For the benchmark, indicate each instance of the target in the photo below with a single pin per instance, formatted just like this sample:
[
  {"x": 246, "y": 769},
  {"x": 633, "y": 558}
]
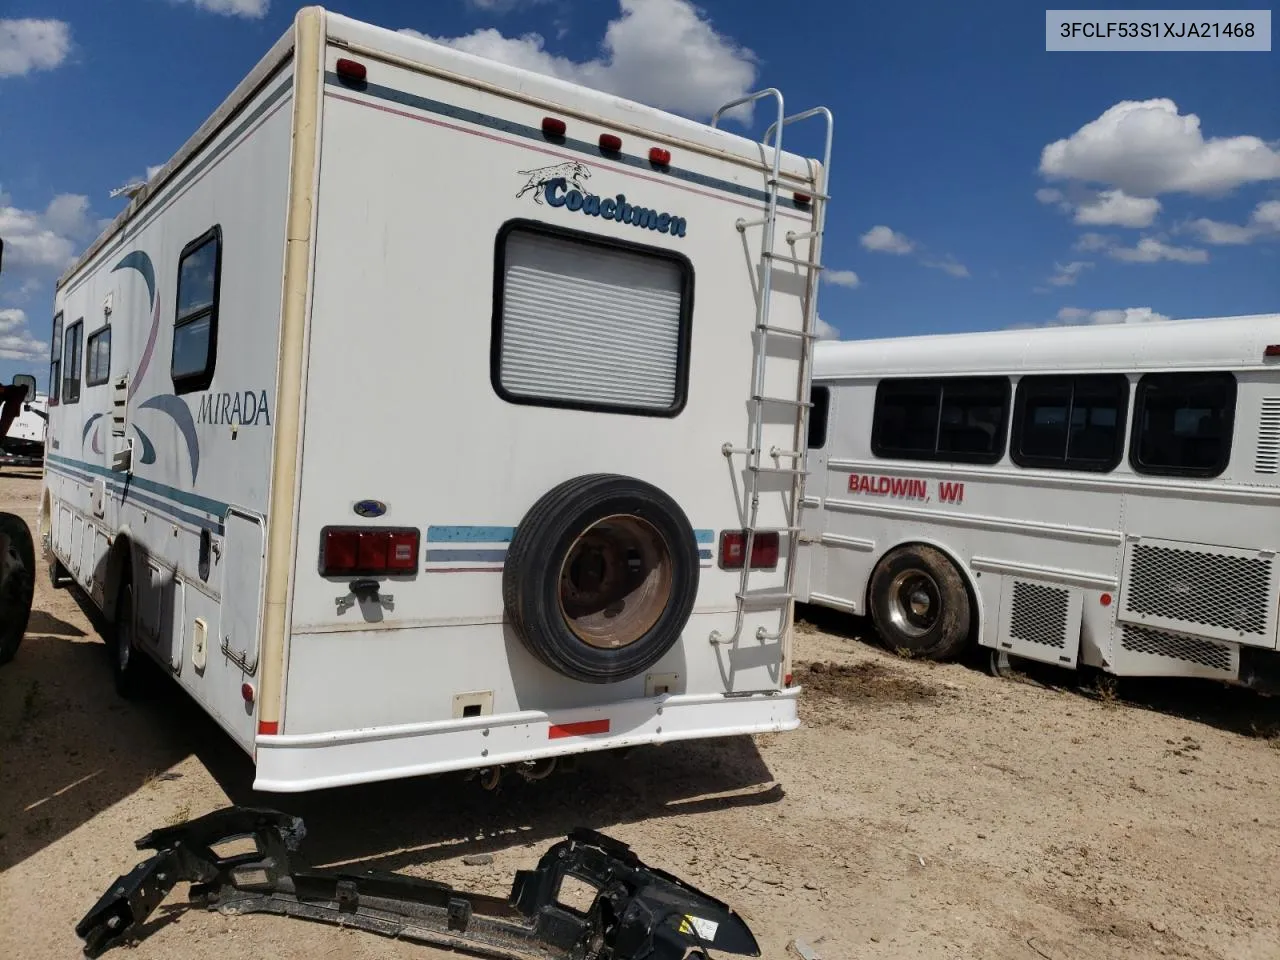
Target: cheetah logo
[{"x": 573, "y": 173}]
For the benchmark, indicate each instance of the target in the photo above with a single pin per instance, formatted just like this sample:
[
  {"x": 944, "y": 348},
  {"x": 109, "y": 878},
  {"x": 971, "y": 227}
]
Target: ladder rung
[
  {"x": 794, "y": 261},
  {"x": 812, "y": 194},
  {"x": 786, "y": 331},
  {"x": 764, "y": 596},
  {"x": 792, "y": 454},
  {"x": 779, "y": 471},
  {"x": 785, "y": 400}
]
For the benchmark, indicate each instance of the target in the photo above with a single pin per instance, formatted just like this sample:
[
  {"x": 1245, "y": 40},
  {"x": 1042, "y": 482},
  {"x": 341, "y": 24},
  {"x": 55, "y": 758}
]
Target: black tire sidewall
[
  {"x": 531, "y": 576},
  {"x": 22, "y": 593},
  {"x": 951, "y": 629}
]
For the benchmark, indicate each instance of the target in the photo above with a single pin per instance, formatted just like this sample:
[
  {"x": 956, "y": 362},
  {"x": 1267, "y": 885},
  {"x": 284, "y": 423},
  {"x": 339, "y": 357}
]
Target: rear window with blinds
[{"x": 590, "y": 323}]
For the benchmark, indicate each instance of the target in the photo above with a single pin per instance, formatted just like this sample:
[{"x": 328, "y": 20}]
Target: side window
[
  {"x": 98, "y": 354},
  {"x": 1183, "y": 424},
  {"x": 820, "y": 397},
  {"x": 589, "y": 323},
  {"x": 71, "y": 360},
  {"x": 55, "y": 361},
  {"x": 962, "y": 419},
  {"x": 195, "y": 325},
  {"x": 1070, "y": 423}
]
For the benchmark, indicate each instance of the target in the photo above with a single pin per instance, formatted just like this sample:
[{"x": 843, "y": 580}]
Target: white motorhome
[
  {"x": 1103, "y": 495},
  {"x": 420, "y": 413}
]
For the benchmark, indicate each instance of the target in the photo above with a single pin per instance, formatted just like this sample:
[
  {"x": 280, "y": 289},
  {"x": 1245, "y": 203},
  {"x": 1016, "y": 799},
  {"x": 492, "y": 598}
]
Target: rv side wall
[{"x": 201, "y": 261}]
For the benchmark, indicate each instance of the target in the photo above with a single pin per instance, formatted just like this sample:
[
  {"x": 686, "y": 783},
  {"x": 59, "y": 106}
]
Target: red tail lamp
[
  {"x": 764, "y": 550},
  {"x": 366, "y": 552}
]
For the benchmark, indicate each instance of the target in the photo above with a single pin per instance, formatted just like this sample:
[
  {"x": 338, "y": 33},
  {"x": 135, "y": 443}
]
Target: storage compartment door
[
  {"x": 1040, "y": 621},
  {"x": 243, "y": 550}
]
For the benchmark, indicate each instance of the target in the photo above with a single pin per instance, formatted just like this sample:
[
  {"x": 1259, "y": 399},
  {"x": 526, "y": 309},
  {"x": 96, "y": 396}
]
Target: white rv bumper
[{"x": 315, "y": 761}]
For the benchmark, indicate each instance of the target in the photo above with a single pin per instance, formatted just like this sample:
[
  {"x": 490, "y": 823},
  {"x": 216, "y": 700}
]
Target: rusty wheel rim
[{"x": 615, "y": 582}]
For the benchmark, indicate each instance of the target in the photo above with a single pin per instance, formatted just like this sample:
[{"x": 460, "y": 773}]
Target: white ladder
[{"x": 759, "y": 400}]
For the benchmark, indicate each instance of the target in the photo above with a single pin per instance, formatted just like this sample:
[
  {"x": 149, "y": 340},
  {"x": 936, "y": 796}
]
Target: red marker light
[
  {"x": 802, "y": 198},
  {"x": 610, "y": 142},
  {"x": 350, "y": 69},
  {"x": 786, "y": 681},
  {"x": 1105, "y": 599},
  {"x": 1273, "y": 350},
  {"x": 659, "y": 157},
  {"x": 246, "y": 691},
  {"x": 553, "y": 126}
]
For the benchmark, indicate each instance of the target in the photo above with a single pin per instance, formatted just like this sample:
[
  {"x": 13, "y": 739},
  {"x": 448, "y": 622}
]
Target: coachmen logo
[{"x": 561, "y": 185}]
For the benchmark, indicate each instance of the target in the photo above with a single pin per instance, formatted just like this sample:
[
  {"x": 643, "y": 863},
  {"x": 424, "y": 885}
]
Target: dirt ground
[{"x": 920, "y": 811}]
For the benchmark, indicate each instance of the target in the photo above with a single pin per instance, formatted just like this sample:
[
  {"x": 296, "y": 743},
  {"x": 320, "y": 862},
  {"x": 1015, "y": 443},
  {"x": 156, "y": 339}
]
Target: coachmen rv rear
[{"x": 426, "y": 414}]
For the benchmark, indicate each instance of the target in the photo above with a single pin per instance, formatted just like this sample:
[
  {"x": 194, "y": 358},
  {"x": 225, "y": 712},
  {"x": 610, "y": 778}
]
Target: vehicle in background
[{"x": 1101, "y": 495}]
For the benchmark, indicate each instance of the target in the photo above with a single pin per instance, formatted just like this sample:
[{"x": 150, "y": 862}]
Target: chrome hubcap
[{"x": 915, "y": 602}]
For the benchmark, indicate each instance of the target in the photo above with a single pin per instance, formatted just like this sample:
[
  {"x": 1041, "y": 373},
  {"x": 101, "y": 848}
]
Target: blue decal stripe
[
  {"x": 704, "y": 554},
  {"x": 183, "y": 497},
  {"x": 577, "y": 146},
  {"x": 132, "y": 496},
  {"x": 705, "y": 536},
  {"x": 465, "y": 534},
  {"x": 466, "y": 556}
]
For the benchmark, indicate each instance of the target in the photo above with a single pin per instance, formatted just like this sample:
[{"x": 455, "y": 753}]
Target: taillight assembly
[
  {"x": 368, "y": 551},
  {"x": 764, "y": 549}
]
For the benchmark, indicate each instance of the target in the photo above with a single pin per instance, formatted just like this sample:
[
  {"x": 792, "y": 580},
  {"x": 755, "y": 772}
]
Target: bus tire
[
  {"x": 601, "y": 577},
  {"x": 919, "y": 604}
]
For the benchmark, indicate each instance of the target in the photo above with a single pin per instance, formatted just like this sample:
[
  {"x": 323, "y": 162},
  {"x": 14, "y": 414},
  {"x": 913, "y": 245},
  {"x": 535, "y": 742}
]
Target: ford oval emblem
[{"x": 370, "y": 508}]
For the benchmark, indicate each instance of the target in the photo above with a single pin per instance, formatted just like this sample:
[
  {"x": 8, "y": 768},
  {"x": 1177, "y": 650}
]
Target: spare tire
[{"x": 601, "y": 577}]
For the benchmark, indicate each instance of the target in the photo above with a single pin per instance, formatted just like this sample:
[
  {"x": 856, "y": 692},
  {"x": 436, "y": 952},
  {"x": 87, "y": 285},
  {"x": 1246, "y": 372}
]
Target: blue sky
[{"x": 978, "y": 182}]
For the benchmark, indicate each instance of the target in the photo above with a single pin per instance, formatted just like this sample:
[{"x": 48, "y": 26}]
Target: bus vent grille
[
  {"x": 1039, "y": 614},
  {"x": 1155, "y": 643},
  {"x": 1200, "y": 588},
  {"x": 1267, "y": 459}
]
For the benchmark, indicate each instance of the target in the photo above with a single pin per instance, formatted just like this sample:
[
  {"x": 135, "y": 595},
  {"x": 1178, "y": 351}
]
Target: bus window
[
  {"x": 961, "y": 419},
  {"x": 1183, "y": 424},
  {"x": 1070, "y": 423}
]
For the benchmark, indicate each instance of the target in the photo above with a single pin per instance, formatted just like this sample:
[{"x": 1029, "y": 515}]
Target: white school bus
[{"x": 1102, "y": 495}]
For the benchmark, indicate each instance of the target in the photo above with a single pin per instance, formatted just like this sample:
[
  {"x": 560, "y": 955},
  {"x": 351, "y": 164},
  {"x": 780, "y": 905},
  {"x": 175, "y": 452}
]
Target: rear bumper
[{"x": 316, "y": 761}]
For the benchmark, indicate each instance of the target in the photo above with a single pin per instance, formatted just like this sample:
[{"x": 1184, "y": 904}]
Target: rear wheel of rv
[
  {"x": 601, "y": 577},
  {"x": 129, "y": 665},
  {"x": 919, "y": 604},
  {"x": 17, "y": 583}
]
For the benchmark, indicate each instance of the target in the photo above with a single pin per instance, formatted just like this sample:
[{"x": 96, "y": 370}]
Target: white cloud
[
  {"x": 253, "y": 9},
  {"x": 1066, "y": 274},
  {"x": 1263, "y": 222},
  {"x": 1152, "y": 250},
  {"x": 152, "y": 171},
  {"x": 1147, "y": 147},
  {"x": 843, "y": 278},
  {"x": 882, "y": 239},
  {"x": 948, "y": 265},
  {"x": 1049, "y": 195},
  {"x": 16, "y": 341},
  {"x": 28, "y": 45},
  {"x": 502, "y": 6},
  {"x": 44, "y": 241},
  {"x": 1115, "y": 208},
  {"x": 1073, "y": 316},
  {"x": 826, "y": 331},
  {"x": 660, "y": 52},
  {"x": 1090, "y": 242}
]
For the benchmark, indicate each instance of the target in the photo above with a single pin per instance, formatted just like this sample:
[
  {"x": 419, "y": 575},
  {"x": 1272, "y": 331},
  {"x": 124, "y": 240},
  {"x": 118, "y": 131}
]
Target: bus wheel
[{"x": 919, "y": 604}]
